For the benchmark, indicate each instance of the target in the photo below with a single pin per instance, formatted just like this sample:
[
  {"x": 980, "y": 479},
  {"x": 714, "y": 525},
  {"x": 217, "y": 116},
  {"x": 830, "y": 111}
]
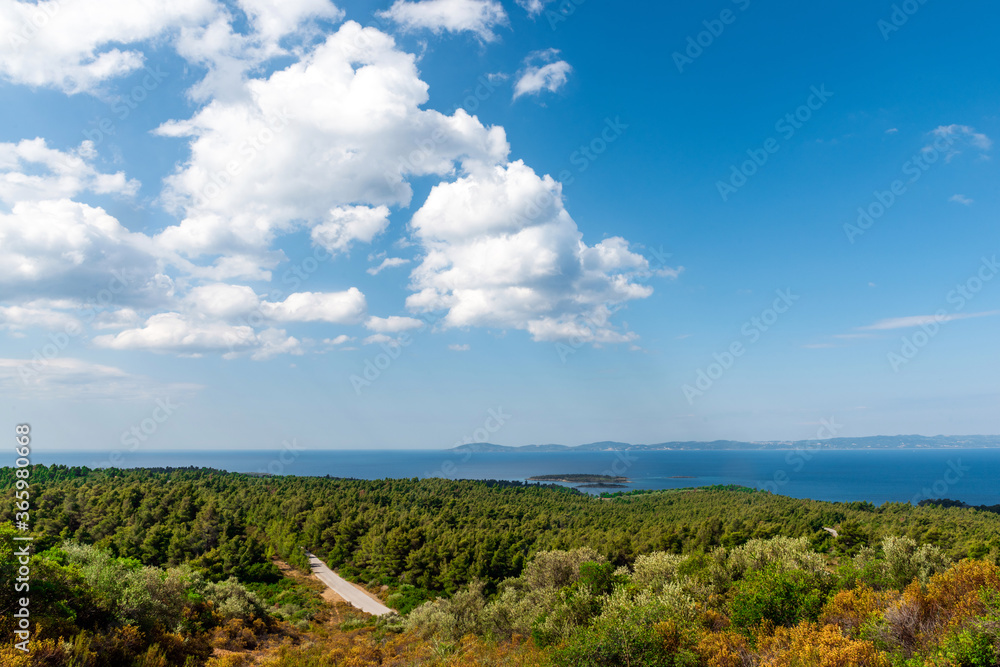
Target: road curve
[{"x": 346, "y": 589}]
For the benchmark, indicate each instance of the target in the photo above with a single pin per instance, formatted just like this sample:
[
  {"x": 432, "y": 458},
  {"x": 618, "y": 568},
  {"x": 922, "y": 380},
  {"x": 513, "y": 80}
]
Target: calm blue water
[{"x": 970, "y": 475}]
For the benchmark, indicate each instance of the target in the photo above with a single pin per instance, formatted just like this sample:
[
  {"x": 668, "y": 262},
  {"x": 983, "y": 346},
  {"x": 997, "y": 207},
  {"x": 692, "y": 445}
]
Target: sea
[{"x": 875, "y": 475}]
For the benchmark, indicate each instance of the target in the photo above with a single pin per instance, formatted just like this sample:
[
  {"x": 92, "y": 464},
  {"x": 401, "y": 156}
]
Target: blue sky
[{"x": 364, "y": 225}]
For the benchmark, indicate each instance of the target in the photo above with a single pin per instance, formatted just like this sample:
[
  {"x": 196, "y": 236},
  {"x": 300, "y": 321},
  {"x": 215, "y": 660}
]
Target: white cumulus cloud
[
  {"x": 347, "y": 224},
  {"x": 63, "y": 248},
  {"x": 76, "y": 45},
  {"x": 502, "y": 251},
  {"x": 542, "y": 72},
  {"x": 393, "y": 324},
  {"x": 347, "y": 307},
  {"x": 479, "y": 17},
  {"x": 190, "y": 335},
  {"x": 66, "y": 173},
  {"x": 336, "y": 130}
]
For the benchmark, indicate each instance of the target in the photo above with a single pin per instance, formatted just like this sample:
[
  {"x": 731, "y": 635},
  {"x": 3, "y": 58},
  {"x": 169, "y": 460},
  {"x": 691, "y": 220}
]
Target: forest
[{"x": 198, "y": 567}]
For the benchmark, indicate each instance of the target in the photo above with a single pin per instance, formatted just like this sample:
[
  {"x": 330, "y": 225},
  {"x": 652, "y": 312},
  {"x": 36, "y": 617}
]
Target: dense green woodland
[
  {"x": 162, "y": 567},
  {"x": 436, "y": 534}
]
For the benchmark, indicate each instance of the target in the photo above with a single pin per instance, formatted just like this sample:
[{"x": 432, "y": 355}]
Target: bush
[
  {"x": 555, "y": 569},
  {"x": 781, "y": 597},
  {"x": 655, "y": 630},
  {"x": 810, "y": 644},
  {"x": 964, "y": 597},
  {"x": 852, "y": 609},
  {"x": 902, "y": 562},
  {"x": 450, "y": 619},
  {"x": 408, "y": 597},
  {"x": 653, "y": 571},
  {"x": 780, "y": 553},
  {"x": 232, "y": 600},
  {"x": 574, "y": 607},
  {"x": 724, "y": 649},
  {"x": 543, "y": 600}
]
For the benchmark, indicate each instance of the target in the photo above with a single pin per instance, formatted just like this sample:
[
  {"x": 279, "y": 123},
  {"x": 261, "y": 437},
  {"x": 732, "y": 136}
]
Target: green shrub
[
  {"x": 450, "y": 618},
  {"x": 971, "y": 648},
  {"x": 652, "y": 630},
  {"x": 653, "y": 571},
  {"x": 902, "y": 561},
  {"x": 782, "y": 597}
]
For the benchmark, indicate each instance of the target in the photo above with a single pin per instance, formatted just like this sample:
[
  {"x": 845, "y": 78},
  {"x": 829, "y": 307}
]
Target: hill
[{"x": 867, "y": 442}]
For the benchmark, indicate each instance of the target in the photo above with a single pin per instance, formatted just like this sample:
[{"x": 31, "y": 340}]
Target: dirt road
[{"x": 345, "y": 589}]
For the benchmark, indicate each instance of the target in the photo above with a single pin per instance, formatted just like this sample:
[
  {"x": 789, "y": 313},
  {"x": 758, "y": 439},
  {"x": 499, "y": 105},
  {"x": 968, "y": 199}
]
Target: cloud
[
  {"x": 476, "y": 16},
  {"x": 273, "y": 29},
  {"x": 223, "y": 301},
  {"x": 961, "y": 199},
  {"x": 69, "y": 378},
  {"x": 958, "y": 136},
  {"x": 121, "y": 318},
  {"x": 339, "y": 340},
  {"x": 17, "y": 318},
  {"x": 537, "y": 77},
  {"x": 63, "y": 248},
  {"x": 502, "y": 251},
  {"x": 347, "y": 224},
  {"x": 387, "y": 263},
  {"x": 76, "y": 46},
  {"x": 533, "y": 7},
  {"x": 228, "y": 319},
  {"x": 326, "y": 147},
  {"x": 455, "y": 347},
  {"x": 393, "y": 324},
  {"x": 272, "y": 20},
  {"x": 53, "y": 246},
  {"x": 68, "y": 173},
  {"x": 272, "y": 342},
  {"x": 341, "y": 128},
  {"x": 188, "y": 335},
  {"x": 347, "y": 307},
  {"x": 174, "y": 332},
  {"x": 852, "y": 336},
  {"x": 921, "y": 320},
  {"x": 375, "y": 339},
  {"x": 966, "y": 134}
]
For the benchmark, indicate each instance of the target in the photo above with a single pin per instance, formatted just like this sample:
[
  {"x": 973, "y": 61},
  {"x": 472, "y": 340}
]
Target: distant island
[
  {"x": 580, "y": 479},
  {"x": 867, "y": 442}
]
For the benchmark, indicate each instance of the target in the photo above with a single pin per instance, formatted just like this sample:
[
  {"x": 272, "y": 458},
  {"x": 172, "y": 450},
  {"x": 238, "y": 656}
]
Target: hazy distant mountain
[
  {"x": 603, "y": 446},
  {"x": 490, "y": 447},
  {"x": 867, "y": 442}
]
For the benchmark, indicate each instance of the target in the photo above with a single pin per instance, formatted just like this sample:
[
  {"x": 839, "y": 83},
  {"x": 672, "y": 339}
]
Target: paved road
[{"x": 346, "y": 589}]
